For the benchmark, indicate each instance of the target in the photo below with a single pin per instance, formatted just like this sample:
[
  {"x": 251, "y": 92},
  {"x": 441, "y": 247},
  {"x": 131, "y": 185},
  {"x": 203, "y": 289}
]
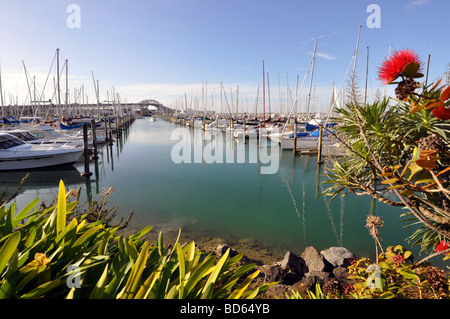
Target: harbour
[
  {"x": 263, "y": 215},
  {"x": 186, "y": 150}
]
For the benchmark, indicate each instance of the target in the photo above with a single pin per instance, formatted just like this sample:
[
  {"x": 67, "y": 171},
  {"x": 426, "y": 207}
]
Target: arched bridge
[{"x": 144, "y": 104}]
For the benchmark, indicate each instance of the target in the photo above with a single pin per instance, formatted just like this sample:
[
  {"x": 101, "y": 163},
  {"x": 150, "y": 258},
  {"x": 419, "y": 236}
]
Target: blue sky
[{"x": 163, "y": 49}]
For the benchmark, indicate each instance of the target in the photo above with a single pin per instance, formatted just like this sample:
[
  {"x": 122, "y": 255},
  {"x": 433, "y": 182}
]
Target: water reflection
[
  {"x": 41, "y": 183},
  {"x": 39, "y": 179}
]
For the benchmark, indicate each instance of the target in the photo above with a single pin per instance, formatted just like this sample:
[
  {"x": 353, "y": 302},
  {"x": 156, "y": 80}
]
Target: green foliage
[
  {"x": 51, "y": 253},
  {"x": 397, "y": 276},
  {"x": 398, "y": 152},
  {"x": 317, "y": 294}
]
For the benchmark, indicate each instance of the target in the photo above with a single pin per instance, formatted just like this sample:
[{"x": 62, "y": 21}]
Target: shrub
[{"x": 51, "y": 253}]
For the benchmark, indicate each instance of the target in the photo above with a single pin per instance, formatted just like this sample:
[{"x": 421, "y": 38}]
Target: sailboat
[
  {"x": 287, "y": 129},
  {"x": 310, "y": 138},
  {"x": 292, "y": 140}
]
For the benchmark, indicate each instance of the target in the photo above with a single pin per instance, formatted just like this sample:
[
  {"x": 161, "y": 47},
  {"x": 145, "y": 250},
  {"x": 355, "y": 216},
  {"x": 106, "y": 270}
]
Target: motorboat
[
  {"x": 28, "y": 137},
  {"x": 46, "y": 132},
  {"x": 18, "y": 155}
]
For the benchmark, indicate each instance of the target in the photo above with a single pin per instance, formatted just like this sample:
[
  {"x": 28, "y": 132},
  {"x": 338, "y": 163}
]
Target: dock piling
[
  {"x": 319, "y": 149},
  {"x": 86, "y": 172},
  {"x": 94, "y": 139}
]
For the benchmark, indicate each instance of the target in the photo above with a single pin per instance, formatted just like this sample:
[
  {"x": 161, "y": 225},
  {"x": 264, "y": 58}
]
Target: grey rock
[
  {"x": 314, "y": 260},
  {"x": 338, "y": 256},
  {"x": 222, "y": 249}
]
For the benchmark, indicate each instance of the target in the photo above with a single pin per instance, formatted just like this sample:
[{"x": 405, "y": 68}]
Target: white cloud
[
  {"x": 416, "y": 3},
  {"x": 324, "y": 56},
  {"x": 319, "y": 37}
]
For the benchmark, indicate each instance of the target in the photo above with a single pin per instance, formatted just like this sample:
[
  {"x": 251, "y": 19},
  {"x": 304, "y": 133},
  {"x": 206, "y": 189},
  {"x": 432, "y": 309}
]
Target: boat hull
[
  {"x": 35, "y": 160},
  {"x": 304, "y": 142}
]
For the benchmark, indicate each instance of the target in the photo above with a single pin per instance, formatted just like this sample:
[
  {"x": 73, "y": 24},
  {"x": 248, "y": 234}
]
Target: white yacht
[{"x": 18, "y": 155}]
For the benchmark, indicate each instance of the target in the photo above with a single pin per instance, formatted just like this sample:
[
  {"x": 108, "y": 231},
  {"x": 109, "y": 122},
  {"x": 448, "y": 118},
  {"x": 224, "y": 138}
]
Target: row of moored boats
[{"x": 25, "y": 146}]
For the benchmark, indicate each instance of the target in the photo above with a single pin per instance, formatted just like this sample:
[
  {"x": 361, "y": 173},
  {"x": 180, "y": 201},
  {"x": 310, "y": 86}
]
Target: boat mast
[
  {"x": 428, "y": 69},
  {"x": 310, "y": 83},
  {"x": 1, "y": 92},
  {"x": 67, "y": 87},
  {"x": 280, "y": 102},
  {"x": 268, "y": 91},
  {"x": 57, "y": 84},
  {"x": 367, "y": 75},
  {"x": 356, "y": 57},
  {"x": 264, "y": 96}
]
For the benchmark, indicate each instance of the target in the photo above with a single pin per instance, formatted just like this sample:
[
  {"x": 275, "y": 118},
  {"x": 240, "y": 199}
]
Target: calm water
[{"x": 232, "y": 201}]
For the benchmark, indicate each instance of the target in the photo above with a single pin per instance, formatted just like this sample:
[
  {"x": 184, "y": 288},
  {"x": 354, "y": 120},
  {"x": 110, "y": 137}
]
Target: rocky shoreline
[
  {"x": 328, "y": 268},
  {"x": 293, "y": 272}
]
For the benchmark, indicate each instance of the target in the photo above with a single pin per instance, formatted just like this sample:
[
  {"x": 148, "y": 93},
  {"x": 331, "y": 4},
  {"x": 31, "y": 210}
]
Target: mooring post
[
  {"x": 86, "y": 152},
  {"x": 260, "y": 134},
  {"x": 319, "y": 153},
  {"x": 117, "y": 120},
  {"x": 106, "y": 130},
  {"x": 295, "y": 137},
  {"x": 94, "y": 139},
  {"x": 110, "y": 134}
]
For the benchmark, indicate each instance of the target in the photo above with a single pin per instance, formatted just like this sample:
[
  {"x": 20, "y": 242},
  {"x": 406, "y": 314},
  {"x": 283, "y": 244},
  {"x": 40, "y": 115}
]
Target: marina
[
  {"x": 224, "y": 150},
  {"x": 212, "y": 203}
]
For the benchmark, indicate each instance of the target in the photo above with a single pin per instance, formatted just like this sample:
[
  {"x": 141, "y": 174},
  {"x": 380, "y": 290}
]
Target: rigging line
[
  {"x": 296, "y": 208},
  {"x": 48, "y": 75},
  {"x": 304, "y": 209},
  {"x": 28, "y": 84},
  {"x": 296, "y": 99},
  {"x": 340, "y": 90},
  {"x": 330, "y": 216}
]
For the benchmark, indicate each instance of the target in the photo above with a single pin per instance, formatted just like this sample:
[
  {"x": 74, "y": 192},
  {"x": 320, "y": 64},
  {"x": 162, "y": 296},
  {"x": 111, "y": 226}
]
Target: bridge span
[{"x": 48, "y": 108}]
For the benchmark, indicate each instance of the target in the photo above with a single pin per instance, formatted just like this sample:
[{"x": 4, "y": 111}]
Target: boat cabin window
[
  {"x": 9, "y": 141},
  {"x": 24, "y": 136},
  {"x": 39, "y": 134},
  {"x": 29, "y": 136}
]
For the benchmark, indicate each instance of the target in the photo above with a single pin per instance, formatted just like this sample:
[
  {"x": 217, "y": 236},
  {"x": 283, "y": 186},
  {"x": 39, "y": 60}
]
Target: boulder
[
  {"x": 314, "y": 260},
  {"x": 310, "y": 280},
  {"x": 274, "y": 273},
  {"x": 222, "y": 249},
  {"x": 340, "y": 273},
  {"x": 338, "y": 256},
  {"x": 294, "y": 263}
]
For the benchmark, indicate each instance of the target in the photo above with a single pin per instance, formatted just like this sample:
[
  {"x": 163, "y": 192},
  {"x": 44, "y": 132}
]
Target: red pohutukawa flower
[
  {"x": 442, "y": 246},
  {"x": 393, "y": 67}
]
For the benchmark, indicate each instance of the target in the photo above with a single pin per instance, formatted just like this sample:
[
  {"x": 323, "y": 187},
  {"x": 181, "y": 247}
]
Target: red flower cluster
[
  {"x": 442, "y": 246},
  {"x": 392, "y": 67}
]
